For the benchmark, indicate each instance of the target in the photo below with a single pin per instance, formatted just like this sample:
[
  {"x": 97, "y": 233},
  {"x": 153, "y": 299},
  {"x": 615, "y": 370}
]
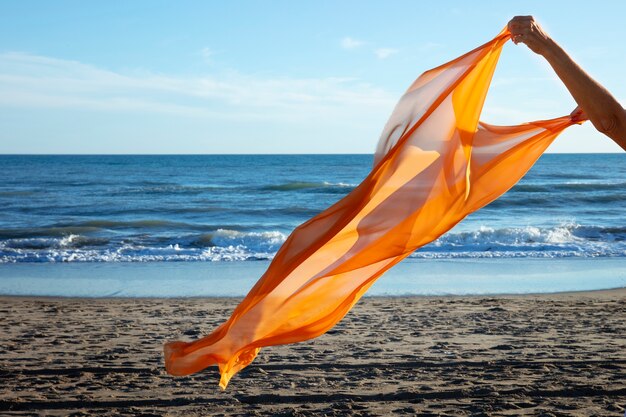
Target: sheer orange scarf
[{"x": 435, "y": 163}]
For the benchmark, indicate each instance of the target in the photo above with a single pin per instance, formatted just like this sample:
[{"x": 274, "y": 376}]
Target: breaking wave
[{"x": 76, "y": 244}]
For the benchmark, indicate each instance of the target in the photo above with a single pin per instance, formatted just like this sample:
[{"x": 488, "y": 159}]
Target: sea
[{"x": 208, "y": 225}]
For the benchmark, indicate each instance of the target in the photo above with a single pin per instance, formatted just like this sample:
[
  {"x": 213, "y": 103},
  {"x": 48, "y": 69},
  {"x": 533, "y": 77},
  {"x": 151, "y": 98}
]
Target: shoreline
[
  {"x": 523, "y": 355},
  {"x": 599, "y": 293},
  {"x": 412, "y": 277}
]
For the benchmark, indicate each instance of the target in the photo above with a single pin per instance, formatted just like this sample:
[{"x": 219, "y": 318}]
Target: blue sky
[{"x": 272, "y": 76}]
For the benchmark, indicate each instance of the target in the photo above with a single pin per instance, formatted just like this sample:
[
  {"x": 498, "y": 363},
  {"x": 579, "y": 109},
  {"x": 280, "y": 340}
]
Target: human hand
[
  {"x": 524, "y": 29},
  {"x": 578, "y": 115}
]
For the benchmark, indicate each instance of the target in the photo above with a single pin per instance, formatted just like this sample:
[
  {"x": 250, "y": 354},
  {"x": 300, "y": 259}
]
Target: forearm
[{"x": 602, "y": 109}]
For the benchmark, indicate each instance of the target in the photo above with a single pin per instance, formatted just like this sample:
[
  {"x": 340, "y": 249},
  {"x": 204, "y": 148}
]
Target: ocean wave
[
  {"x": 521, "y": 201},
  {"x": 567, "y": 239},
  {"x": 170, "y": 189},
  {"x": 530, "y": 188},
  {"x": 46, "y": 231},
  {"x": 603, "y": 198},
  {"x": 181, "y": 189},
  {"x": 268, "y": 241},
  {"x": 572, "y": 176},
  {"x": 17, "y": 193},
  {"x": 564, "y": 240},
  {"x": 324, "y": 186},
  {"x": 95, "y": 226},
  {"x": 591, "y": 185},
  {"x": 219, "y": 245},
  {"x": 131, "y": 253},
  {"x": 298, "y": 212},
  {"x": 544, "y": 200},
  {"x": 573, "y": 186},
  {"x": 65, "y": 242}
]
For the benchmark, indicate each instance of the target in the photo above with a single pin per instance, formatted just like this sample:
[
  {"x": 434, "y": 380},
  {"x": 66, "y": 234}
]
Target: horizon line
[{"x": 251, "y": 154}]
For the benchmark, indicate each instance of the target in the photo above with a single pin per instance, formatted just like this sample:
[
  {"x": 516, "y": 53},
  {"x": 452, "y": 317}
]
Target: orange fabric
[{"x": 435, "y": 163}]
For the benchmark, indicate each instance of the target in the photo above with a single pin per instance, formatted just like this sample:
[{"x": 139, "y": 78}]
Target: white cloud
[
  {"x": 381, "y": 53},
  {"x": 384, "y": 53},
  {"x": 207, "y": 54},
  {"x": 350, "y": 43},
  {"x": 32, "y": 81}
]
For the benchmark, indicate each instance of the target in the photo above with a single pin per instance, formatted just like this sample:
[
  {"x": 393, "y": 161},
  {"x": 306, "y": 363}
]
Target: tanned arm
[{"x": 602, "y": 109}]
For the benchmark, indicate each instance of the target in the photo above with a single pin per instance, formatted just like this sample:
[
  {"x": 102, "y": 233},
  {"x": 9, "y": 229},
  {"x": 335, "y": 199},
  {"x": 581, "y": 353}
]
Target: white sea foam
[
  {"x": 564, "y": 240},
  {"x": 223, "y": 245},
  {"x": 339, "y": 184},
  {"x": 67, "y": 240}
]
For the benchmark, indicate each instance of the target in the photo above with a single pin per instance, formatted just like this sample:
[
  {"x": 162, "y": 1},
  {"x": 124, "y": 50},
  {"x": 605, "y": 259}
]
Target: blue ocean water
[
  {"x": 242, "y": 207},
  {"x": 208, "y": 225}
]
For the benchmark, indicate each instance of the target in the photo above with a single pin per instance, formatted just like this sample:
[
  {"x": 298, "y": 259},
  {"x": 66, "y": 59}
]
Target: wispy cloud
[
  {"x": 34, "y": 81},
  {"x": 384, "y": 53},
  {"x": 350, "y": 43},
  {"x": 380, "y": 53},
  {"x": 207, "y": 54}
]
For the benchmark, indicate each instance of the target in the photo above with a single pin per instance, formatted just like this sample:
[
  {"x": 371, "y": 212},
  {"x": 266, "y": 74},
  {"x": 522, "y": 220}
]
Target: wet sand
[{"x": 537, "y": 355}]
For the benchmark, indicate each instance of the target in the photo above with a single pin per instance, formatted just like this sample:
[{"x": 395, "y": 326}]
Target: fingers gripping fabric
[{"x": 435, "y": 163}]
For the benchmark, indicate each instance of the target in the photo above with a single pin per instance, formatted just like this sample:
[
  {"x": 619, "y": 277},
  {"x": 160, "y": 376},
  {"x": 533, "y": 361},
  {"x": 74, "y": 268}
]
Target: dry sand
[{"x": 544, "y": 355}]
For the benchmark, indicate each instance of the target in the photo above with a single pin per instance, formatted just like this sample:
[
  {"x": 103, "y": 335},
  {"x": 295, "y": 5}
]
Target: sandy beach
[{"x": 544, "y": 355}]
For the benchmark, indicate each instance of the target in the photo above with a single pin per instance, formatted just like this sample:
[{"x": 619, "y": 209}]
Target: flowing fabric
[{"x": 435, "y": 163}]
